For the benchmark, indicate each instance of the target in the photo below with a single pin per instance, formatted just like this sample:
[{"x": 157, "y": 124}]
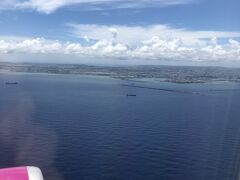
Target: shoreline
[
  {"x": 171, "y": 74},
  {"x": 132, "y": 80}
]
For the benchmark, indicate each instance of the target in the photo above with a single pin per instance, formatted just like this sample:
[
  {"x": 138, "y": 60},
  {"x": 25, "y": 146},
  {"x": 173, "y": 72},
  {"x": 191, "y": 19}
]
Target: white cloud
[
  {"x": 154, "y": 49},
  {"x": 146, "y": 43},
  {"x": 114, "y": 32},
  {"x": 134, "y": 35},
  {"x": 49, "y": 6}
]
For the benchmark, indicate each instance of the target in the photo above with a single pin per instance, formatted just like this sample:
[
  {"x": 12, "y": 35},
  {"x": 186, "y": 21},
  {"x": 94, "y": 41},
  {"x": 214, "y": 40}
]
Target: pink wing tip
[{"x": 21, "y": 173}]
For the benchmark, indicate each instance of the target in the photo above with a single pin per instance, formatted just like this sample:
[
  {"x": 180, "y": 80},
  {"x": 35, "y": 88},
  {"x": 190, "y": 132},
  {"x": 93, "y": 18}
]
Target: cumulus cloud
[
  {"x": 114, "y": 32},
  {"x": 133, "y": 35},
  {"x": 158, "y": 42},
  {"x": 49, "y": 6},
  {"x": 155, "y": 48}
]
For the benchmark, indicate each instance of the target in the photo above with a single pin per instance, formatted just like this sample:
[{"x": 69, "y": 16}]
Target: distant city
[{"x": 176, "y": 74}]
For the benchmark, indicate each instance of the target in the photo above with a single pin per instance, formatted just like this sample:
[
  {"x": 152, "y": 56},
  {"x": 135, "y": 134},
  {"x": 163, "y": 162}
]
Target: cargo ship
[
  {"x": 131, "y": 95},
  {"x": 11, "y": 83}
]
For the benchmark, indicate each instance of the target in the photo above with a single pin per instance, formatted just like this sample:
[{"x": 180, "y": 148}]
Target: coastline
[{"x": 171, "y": 74}]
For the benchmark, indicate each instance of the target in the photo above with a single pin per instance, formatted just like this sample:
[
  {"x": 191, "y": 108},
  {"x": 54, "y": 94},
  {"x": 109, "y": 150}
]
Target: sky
[{"x": 121, "y": 32}]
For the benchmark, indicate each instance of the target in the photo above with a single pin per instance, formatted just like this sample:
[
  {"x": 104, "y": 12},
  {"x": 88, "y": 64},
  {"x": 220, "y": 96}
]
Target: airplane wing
[{"x": 21, "y": 173}]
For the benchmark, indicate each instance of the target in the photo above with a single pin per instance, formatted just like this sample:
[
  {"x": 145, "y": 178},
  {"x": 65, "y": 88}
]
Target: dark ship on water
[
  {"x": 131, "y": 95},
  {"x": 11, "y": 83}
]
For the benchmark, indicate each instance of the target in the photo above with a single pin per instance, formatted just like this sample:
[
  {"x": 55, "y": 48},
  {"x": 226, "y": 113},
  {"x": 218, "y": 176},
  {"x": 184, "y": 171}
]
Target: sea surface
[{"x": 86, "y": 128}]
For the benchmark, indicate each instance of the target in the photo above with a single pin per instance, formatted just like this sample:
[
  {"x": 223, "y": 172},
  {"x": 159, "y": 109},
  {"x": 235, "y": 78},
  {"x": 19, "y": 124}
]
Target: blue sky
[{"x": 154, "y": 31}]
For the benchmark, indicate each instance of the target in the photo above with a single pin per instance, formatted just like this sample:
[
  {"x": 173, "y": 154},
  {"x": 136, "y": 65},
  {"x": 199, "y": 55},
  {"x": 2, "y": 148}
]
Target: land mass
[{"x": 176, "y": 74}]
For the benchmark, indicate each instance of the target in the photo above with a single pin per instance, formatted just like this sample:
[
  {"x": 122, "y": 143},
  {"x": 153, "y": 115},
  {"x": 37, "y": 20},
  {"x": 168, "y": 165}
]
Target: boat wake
[{"x": 165, "y": 89}]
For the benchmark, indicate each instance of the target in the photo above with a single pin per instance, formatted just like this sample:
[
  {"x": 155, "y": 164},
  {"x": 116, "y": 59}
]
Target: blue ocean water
[{"x": 86, "y": 128}]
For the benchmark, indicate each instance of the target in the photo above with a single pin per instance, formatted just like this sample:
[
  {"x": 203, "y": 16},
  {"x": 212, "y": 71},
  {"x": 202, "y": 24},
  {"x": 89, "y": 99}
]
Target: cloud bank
[
  {"x": 134, "y": 35},
  {"x": 111, "y": 44},
  {"x": 49, "y": 6}
]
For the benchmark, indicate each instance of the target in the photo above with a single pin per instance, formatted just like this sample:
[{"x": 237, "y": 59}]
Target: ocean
[{"x": 86, "y": 128}]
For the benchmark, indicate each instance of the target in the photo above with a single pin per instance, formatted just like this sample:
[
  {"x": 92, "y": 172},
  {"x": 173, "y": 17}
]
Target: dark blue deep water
[{"x": 86, "y": 128}]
